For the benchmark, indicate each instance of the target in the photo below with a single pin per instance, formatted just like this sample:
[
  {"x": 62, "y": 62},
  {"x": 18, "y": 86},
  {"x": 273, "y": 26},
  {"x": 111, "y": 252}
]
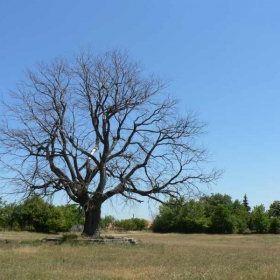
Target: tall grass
[{"x": 168, "y": 256}]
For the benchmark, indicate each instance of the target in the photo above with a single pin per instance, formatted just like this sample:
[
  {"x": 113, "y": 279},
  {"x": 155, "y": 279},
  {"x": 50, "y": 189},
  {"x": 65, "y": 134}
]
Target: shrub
[
  {"x": 160, "y": 225},
  {"x": 222, "y": 221},
  {"x": 260, "y": 219},
  {"x": 69, "y": 237},
  {"x": 132, "y": 224},
  {"x": 242, "y": 217},
  {"x": 107, "y": 221},
  {"x": 274, "y": 226}
]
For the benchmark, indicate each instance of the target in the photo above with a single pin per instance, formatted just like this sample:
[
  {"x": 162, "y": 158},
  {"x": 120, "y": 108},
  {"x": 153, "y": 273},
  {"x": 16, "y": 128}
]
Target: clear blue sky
[{"x": 222, "y": 58}]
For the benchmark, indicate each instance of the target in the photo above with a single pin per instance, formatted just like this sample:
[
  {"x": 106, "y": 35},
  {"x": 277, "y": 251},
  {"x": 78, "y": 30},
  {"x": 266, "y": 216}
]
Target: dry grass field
[{"x": 168, "y": 256}]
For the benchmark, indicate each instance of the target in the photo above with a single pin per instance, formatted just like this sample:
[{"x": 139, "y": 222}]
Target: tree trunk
[{"x": 92, "y": 220}]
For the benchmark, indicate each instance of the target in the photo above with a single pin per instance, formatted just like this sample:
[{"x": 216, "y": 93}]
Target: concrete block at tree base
[
  {"x": 55, "y": 239},
  {"x": 112, "y": 240},
  {"x": 96, "y": 240}
]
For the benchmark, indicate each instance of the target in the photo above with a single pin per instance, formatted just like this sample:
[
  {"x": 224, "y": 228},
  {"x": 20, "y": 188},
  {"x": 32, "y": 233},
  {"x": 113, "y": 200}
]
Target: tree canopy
[{"x": 94, "y": 126}]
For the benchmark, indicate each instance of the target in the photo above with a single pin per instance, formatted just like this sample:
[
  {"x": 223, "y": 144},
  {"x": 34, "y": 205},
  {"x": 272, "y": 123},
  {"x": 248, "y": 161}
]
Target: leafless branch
[{"x": 95, "y": 127}]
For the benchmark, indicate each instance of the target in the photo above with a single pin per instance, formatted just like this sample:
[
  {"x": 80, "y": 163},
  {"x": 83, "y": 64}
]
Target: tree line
[
  {"x": 35, "y": 214},
  {"x": 216, "y": 213}
]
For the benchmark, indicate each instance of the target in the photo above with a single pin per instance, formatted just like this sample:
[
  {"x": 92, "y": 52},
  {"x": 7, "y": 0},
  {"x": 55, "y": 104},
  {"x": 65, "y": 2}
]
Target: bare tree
[{"x": 94, "y": 127}]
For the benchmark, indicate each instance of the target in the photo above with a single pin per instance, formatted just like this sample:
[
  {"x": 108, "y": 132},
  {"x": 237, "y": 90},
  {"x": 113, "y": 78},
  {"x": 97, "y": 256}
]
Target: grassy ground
[{"x": 168, "y": 256}]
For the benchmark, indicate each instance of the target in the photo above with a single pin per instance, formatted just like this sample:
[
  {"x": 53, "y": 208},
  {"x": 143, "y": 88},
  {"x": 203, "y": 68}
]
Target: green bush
[
  {"x": 274, "y": 209},
  {"x": 107, "y": 221},
  {"x": 181, "y": 216},
  {"x": 242, "y": 217},
  {"x": 222, "y": 221},
  {"x": 274, "y": 226},
  {"x": 132, "y": 224},
  {"x": 35, "y": 214},
  {"x": 161, "y": 225},
  {"x": 260, "y": 219}
]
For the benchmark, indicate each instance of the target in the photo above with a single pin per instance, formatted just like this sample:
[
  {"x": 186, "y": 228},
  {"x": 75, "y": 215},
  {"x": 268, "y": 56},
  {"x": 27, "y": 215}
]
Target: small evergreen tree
[{"x": 246, "y": 203}]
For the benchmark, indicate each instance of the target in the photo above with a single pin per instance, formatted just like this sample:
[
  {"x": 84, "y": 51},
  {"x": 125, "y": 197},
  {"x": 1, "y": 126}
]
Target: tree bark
[{"x": 92, "y": 220}]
